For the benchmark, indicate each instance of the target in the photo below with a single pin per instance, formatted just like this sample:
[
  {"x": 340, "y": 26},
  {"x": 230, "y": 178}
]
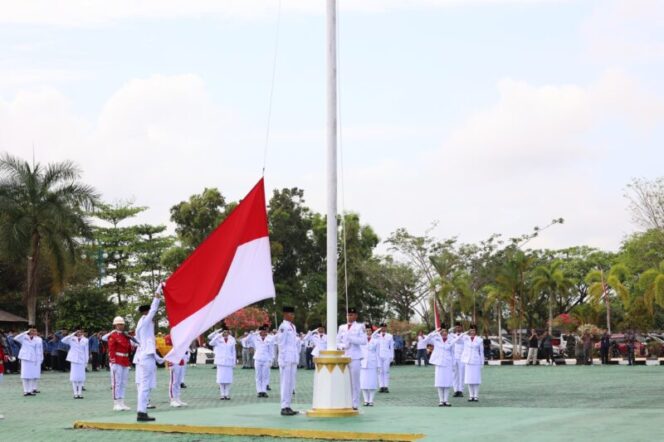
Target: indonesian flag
[{"x": 231, "y": 269}]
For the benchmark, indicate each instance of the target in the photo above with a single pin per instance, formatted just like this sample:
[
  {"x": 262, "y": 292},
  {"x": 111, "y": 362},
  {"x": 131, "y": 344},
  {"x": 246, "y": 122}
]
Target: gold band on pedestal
[
  {"x": 330, "y": 359},
  {"x": 332, "y": 412}
]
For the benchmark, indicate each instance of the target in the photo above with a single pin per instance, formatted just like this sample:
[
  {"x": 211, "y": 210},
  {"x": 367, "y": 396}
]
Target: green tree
[
  {"x": 551, "y": 280},
  {"x": 84, "y": 307},
  {"x": 601, "y": 285},
  {"x": 651, "y": 283},
  {"x": 42, "y": 213}
]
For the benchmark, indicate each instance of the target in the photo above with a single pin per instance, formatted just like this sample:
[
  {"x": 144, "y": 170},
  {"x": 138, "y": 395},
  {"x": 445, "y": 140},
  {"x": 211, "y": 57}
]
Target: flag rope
[{"x": 274, "y": 71}]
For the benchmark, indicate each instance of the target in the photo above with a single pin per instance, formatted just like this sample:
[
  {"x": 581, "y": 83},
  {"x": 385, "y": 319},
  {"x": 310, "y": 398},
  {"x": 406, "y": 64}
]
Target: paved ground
[{"x": 517, "y": 403}]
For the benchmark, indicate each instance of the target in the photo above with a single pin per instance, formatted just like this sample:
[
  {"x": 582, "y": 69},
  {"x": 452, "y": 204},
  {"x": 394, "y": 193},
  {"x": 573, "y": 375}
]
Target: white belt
[{"x": 124, "y": 355}]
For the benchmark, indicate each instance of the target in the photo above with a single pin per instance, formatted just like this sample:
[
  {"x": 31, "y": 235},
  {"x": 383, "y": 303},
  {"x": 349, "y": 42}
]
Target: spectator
[
  {"x": 605, "y": 347},
  {"x": 487, "y": 347},
  {"x": 547, "y": 348},
  {"x": 53, "y": 354},
  {"x": 93, "y": 343},
  {"x": 14, "y": 348},
  {"x": 587, "y": 340},
  {"x": 398, "y": 349},
  {"x": 422, "y": 354},
  {"x": 630, "y": 337},
  {"x": 532, "y": 348},
  {"x": 63, "y": 349}
]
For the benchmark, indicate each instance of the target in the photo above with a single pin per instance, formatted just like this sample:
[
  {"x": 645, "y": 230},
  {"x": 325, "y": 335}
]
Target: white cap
[{"x": 118, "y": 320}]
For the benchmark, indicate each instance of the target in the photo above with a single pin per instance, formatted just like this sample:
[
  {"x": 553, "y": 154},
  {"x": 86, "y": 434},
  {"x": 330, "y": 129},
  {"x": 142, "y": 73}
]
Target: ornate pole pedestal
[{"x": 332, "y": 394}]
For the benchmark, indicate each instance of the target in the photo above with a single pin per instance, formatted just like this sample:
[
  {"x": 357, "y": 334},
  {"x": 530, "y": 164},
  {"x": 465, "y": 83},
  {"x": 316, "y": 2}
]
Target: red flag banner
[{"x": 231, "y": 269}]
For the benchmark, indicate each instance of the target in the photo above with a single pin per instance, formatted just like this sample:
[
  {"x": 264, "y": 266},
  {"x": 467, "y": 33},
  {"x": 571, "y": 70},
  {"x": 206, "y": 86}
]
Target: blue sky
[{"x": 484, "y": 115}]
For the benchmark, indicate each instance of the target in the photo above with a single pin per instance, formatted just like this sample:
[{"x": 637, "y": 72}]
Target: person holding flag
[
  {"x": 225, "y": 357},
  {"x": 146, "y": 356}
]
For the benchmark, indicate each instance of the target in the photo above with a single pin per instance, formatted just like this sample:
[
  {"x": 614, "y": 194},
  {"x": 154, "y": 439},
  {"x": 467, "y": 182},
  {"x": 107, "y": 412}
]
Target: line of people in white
[{"x": 458, "y": 358}]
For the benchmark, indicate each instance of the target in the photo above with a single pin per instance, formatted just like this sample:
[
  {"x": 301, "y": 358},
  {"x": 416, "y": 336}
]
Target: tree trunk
[
  {"x": 31, "y": 289},
  {"x": 550, "y": 316},
  {"x": 500, "y": 332}
]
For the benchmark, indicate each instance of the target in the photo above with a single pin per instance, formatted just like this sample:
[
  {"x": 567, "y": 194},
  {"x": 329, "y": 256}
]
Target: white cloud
[
  {"x": 626, "y": 31},
  {"x": 519, "y": 163},
  {"x": 102, "y": 12}
]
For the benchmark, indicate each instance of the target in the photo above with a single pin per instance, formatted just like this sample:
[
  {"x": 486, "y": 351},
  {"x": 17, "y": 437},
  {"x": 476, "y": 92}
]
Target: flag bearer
[
  {"x": 473, "y": 359},
  {"x": 263, "y": 346},
  {"x": 369, "y": 370},
  {"x": 459, "y": 367},
  {"x": 146, "y": 355}
]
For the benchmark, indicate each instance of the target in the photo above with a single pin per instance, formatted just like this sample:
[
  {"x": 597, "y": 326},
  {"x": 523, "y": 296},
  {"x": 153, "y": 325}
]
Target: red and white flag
[
  {"x": 228, "y": 271},
  {"x": 436, "y": 314}
]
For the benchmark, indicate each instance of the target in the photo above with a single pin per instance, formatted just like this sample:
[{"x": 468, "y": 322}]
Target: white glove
[{"x": 160, "y": 288}]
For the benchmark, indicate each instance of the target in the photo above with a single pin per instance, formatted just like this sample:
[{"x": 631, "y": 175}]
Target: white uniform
[
  {"x": 145, "y": 357},
  {"x": 442, "y": 357},
  {"x": 385, "y": 343},
  {"x": 350, "y": 338},
  {"x": 369, "y": 370},
  {"x": 225, "y": 357},
  {"x": 473, "y": 358},
  {"x": 319, "y": 342},
  {"x": 78, "y": 356},
  {"x": 263, "y": 355},
  {"x": 459, "y": 368},
  {"x": 289, "y": 356},
  {"x": 31, "y": 356}
]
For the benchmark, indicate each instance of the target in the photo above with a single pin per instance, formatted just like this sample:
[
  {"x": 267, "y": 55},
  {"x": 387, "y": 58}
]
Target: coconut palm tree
[
  {"x": 551, "y": 280},
  {"x": 496, "y": 297},
  {"x": 42, "y": 213},
  {"x": 651, "y": 282},
  {"x": 600, "y": 286}
]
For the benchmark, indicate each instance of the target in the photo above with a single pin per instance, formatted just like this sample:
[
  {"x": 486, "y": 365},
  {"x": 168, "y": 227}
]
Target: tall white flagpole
[
  {"x": 331, "y": 174},
  {"x": 332, "y": 393}
]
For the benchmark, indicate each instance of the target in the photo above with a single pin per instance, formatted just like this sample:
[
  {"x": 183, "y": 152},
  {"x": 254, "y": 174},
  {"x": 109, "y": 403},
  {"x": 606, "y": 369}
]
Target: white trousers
[
  {"x": 287, "y": 372},
  {"x": 119, "y": 379},
  {"x": 148, "y": 371},
  {"x": 532, "y": 356},
  {"x": 474, "y": 390},
  {"x": 77, "y": 387},
  {"x": 443, "y": 394},
  {"x": 355, "y": 381},
  {"x": 175, "y": 378},
  {"x": 262, "y": 375},
  {"x": 225, "y": 390},
  {"x": 384, "y": 372},
  {"x": 29, "y": 385},
  {"x": 459, "y": 373},
  {"x": 369, "y": 395}
]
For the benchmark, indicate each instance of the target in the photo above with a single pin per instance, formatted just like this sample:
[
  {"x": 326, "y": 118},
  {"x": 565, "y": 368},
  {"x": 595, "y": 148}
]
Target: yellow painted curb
[
  {"x": 332, "y": 412},
  {"x": 250, "y": 431}
]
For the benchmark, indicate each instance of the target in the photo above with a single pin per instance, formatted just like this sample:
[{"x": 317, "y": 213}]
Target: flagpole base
[{"x": 332, "y": 393}]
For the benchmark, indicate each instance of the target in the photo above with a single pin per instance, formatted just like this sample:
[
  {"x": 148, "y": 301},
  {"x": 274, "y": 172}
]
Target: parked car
[{"x": 618, "y": 341}]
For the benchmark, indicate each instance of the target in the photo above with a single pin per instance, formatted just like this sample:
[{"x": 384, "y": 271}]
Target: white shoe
[
  {"x": 184, "y": 404},
  {"x": 123, "y": 406},
  {"x": 117, "y": 405},
  {"x": 175, "y": 403}
]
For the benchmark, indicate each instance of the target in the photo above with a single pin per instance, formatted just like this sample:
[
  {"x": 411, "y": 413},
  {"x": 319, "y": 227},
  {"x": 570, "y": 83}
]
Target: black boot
[{"x": 143, "y": 417}]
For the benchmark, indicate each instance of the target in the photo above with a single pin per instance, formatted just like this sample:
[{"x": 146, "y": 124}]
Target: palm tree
[
  {"x": 652, "y": 283},
  {"x": 600, "y": 285},
  {"x": 42, "y": 213},
  {"x": 496, "y": 296},
  {"x": 552, "y": 281}
]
